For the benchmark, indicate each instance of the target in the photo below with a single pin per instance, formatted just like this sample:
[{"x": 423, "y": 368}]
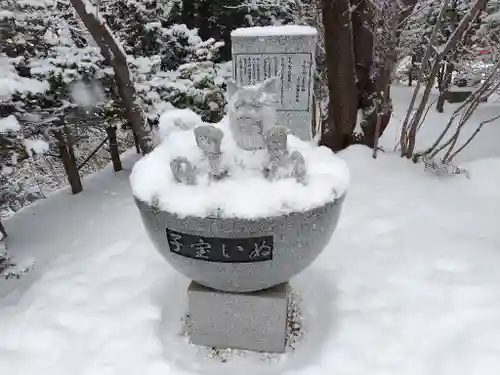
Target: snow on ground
[{"x": 408, "y": 286}]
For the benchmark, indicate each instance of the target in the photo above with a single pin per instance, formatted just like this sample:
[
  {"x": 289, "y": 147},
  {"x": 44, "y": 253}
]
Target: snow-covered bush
[
  {"x": 195, "y": 86},
  {"x": 15, "y": 144},
  {"x": 138, "y": 24},
  {"x": 8, "y": 269},
  {"x": 131, "y": 20},
  {"x": 187, "y": 77}
]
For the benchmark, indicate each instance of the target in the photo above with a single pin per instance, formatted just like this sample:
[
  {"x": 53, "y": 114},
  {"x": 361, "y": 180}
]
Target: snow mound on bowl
[{"x": 245, "y": 193}]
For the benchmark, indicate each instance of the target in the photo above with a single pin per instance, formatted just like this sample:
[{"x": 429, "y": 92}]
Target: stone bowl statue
[
  {"x": 230, "y": 252},
  {"x": 241, "y": 255}
]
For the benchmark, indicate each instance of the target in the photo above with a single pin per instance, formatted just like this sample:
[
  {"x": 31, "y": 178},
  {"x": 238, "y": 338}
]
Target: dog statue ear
[
  {"x": 270, "y": 85},
  {"x": 232, "y": 87}
]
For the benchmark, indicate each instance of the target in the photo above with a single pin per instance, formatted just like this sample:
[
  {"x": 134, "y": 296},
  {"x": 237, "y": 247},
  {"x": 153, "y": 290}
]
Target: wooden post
[
  {"x": 313, "y": 117},
  {"x": 444, "y": 85},
  {"x": 66, "y": 152},
  {"x": 113, "y": 148},
  {"x": 378, "y": 111},
  {"x": 411, "y": 70},
  {"x": 136, "y": 141}
]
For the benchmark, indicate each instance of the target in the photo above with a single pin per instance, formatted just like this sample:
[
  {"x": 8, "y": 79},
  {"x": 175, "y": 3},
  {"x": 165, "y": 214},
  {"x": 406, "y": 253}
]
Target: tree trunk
[
  {"x": 444, "y": 85},
  {"x": 440, "y": 75},
  {"x": 380, "y": 54},
  {"x": 188, "y": 13},
  {"x": 412, "y": 69},
  {"x": 115, "y": 55},
  {"x": 204, "y": 13},
  {"x": 342, "y": 108},
  {"x": 363, "y": 18},
  {"x": 362, "y": 30},
  {"x": 360, "y": 77}
]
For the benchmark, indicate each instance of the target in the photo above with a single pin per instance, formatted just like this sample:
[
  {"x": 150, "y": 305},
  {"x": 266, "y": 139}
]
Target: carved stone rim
[{"x": 334, "y": 202}]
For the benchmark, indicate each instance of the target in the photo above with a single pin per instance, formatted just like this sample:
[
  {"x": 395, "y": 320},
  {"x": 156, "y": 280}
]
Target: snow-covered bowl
[
  {"x": 295, "y": 240},
  {"x": 238, "y": 219}
]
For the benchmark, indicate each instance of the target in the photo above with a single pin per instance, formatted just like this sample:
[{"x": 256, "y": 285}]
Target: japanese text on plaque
[
  {"x": 224, "y": 250},
  {"x": 294, "y": 70}
]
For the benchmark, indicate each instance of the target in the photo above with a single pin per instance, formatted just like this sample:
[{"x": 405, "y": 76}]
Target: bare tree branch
[
  {"x": 408, "y": 137},
  {"x": 476, "y": 132}
]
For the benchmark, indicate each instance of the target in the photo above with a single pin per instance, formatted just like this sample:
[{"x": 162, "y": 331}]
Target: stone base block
[{"x": 249, "y": 321}]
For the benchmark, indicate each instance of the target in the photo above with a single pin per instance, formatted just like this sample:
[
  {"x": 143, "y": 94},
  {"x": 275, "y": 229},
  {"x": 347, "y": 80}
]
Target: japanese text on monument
[
  {"x": 224, "y": 250},
  {"x": 294, "y": 70}
]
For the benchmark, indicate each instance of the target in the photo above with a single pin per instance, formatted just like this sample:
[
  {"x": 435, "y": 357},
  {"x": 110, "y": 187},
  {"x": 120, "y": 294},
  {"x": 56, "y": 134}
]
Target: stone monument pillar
[{"x": 287, "y": 52}]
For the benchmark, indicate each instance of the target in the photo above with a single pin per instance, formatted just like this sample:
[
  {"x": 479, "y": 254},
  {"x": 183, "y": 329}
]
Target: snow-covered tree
[
  {"x": 157, "y": 53},
  {"x": 217, "y": 18},
  {"x": 162, "y": 37},
  {"x": 186, "y": 77},
  {"x": 360, "y": 77},
  {"x": 18, "y": 90}
]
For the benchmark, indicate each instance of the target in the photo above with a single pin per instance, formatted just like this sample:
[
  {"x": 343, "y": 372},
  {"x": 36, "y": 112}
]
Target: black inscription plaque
[{"x": 222, "y": 250}]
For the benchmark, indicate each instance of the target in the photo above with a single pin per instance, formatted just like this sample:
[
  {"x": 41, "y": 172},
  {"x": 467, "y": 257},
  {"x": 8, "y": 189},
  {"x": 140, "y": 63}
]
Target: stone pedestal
[{"x": 250, "y": 321}]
